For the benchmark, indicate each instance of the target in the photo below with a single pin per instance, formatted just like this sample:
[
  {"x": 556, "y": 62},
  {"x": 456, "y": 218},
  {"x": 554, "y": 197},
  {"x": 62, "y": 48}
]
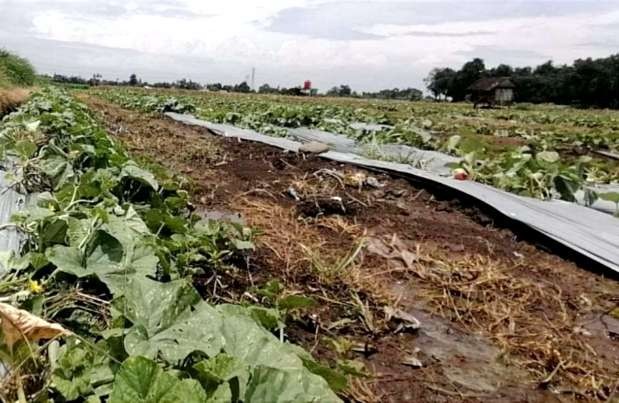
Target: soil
[{"x": 501, "y": 318}]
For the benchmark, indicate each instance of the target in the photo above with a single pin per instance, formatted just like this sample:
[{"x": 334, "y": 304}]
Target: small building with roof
[{"x": 491, "y": 91}]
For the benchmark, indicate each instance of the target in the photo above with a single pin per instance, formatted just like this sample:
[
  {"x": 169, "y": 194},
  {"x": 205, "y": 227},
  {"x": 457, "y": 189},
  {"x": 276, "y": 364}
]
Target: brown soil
[{"x": 501, "y": 319}]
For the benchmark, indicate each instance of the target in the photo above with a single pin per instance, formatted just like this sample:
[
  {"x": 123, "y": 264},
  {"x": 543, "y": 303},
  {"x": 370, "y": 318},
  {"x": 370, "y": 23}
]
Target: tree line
[
  {"x": 405, "y": 94},
  {"x": 586, "y": 82},
  {"x": 411, "y": 94}
]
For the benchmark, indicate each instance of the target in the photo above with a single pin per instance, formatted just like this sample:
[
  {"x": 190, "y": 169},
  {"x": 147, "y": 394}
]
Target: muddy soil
[{"x": 500, "y": 318}]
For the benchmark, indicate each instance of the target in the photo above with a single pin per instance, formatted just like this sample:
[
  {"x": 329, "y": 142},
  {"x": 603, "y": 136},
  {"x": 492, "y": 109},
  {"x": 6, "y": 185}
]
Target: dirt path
[{"x": 501, "y": 320}]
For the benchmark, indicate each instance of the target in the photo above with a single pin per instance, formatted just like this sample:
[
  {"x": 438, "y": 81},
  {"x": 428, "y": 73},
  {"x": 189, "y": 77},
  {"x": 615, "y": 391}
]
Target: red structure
[{"x": 307, "y": 85}]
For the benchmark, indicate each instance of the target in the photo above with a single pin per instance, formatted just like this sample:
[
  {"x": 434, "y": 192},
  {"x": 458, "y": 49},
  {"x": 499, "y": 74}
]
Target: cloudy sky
[{"x": 368, "y": 44}]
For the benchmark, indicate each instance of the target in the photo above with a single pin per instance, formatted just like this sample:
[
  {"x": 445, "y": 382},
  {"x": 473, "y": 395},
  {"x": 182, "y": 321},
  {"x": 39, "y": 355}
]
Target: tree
[
  {"x": 587, "y": 82},
  {"x": 267, "y": 89},
  {"x": 242, "y": 87},
  {"x": 133, "y": 80},
  {"x": 467, "y": 75},
  {"x": 439, "y": 82},
  {"x": 188, "y": 84},
  {"x": 502, "y": 70},
  {"x": 341, "y": 91},
  {"x": 214, "y": 87},
  {"x": 408, "y": 94},
  {"x": 345, "y": 91}
]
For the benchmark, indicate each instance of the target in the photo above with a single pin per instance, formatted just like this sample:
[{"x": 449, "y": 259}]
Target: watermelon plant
[{"x": 108, "y": 256}]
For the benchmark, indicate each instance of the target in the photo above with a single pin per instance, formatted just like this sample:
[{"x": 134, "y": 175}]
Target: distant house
[{"x": 491, "y": 91}]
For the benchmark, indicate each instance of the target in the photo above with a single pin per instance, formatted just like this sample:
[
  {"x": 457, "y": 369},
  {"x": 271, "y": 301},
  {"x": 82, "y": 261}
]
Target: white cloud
[{"x": 367, "y": 43}]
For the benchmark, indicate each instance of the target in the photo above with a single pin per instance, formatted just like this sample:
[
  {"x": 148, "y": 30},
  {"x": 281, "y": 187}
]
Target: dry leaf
[
  {"x": 18, "y": 324},
  {"x": 395, "y": 250}
]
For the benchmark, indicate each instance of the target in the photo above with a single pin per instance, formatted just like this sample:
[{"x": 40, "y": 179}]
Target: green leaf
[
  {"x": 270, "y": 385},
  {"x": 132, "y": 171},
  {"x": 548, "y": 156},
  {"x": 295, "y": 302},
  {"x": 452, "y": 143},
  {"x": 221, "y": 369},
  {"x": 58, "y": 169},
  {"x": 170, "y": 321},
  {"x": 77, "y": 230},
  {"x": 127, "y": 227},
  {"x": 108, "y": 261},
  {"x": 140, "y": 380},
  {"x": 25, "y": 149},
  {"x": 80, "y": 369},
  {"x": 610, "y": 196},
  {"x": 164, "y": 323}
]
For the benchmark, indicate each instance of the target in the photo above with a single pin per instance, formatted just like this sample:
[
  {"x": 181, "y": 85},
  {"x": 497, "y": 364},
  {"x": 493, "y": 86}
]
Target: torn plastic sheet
[{"x": 586, "y": 231}]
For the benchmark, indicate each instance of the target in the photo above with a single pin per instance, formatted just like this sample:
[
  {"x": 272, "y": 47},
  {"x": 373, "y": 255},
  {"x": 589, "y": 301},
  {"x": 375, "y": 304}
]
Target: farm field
[
  {"x": 158, "y": 254},
  {"x": 403, "y": 245},
  {"x": 542, "y": 151}
]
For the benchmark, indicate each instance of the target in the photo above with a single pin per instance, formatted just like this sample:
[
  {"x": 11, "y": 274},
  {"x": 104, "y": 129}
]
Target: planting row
[
  {"x": 538, "y": 159},
  {"x": 105, "y": 270}
]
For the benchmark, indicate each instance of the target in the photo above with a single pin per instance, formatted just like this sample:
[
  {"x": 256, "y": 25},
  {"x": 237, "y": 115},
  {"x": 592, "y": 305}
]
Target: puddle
[{"x": 467, "y": 360}]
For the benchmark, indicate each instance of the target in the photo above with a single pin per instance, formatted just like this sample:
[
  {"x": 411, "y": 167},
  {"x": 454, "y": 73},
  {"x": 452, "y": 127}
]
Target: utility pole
[{"x": 253, "y": 79}]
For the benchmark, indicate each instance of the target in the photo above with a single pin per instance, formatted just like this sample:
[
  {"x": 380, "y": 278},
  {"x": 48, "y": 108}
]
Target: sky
[{"x": 367, "y": 44}]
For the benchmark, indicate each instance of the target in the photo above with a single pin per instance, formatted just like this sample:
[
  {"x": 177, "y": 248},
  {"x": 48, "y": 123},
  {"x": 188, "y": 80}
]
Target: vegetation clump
[
  {"x": 106, "y": 271},
  {"x": 15, "y": 70}
]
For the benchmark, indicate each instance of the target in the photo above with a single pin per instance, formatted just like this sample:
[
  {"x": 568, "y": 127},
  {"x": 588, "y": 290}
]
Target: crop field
[
  {"x": 162, "y": 263},
  {"x": 540, "y": 151}
]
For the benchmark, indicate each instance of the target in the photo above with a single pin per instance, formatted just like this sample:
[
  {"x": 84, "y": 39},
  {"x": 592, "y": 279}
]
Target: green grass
[{"x": 15, "y": 70}]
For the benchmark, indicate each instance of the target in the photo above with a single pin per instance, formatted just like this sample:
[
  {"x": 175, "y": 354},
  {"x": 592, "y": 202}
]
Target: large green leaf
[
  {"x": 127, "y": 227},
  {"x": 107, "y": 259},
  {"x": 170, "y": 321},
  {"x": 140, "y": 380},
  {"x": 134, "y": 172},
  {"x": 164, "y": 322},
  {"x": 269, "y": 385},
  {"x": 57, "y": 169}
]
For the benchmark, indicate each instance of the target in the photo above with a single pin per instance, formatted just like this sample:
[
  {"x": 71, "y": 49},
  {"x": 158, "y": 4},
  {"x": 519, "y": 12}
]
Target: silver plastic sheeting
[
  {"x": 429, "y": 160},
  {"x": 10, "y": 203},
  {"x": 605, "y": 206},
  {"x": 586, "y": 231}
]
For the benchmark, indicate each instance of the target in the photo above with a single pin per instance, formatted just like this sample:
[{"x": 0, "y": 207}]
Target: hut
[{"x": 491, "y": 91}]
